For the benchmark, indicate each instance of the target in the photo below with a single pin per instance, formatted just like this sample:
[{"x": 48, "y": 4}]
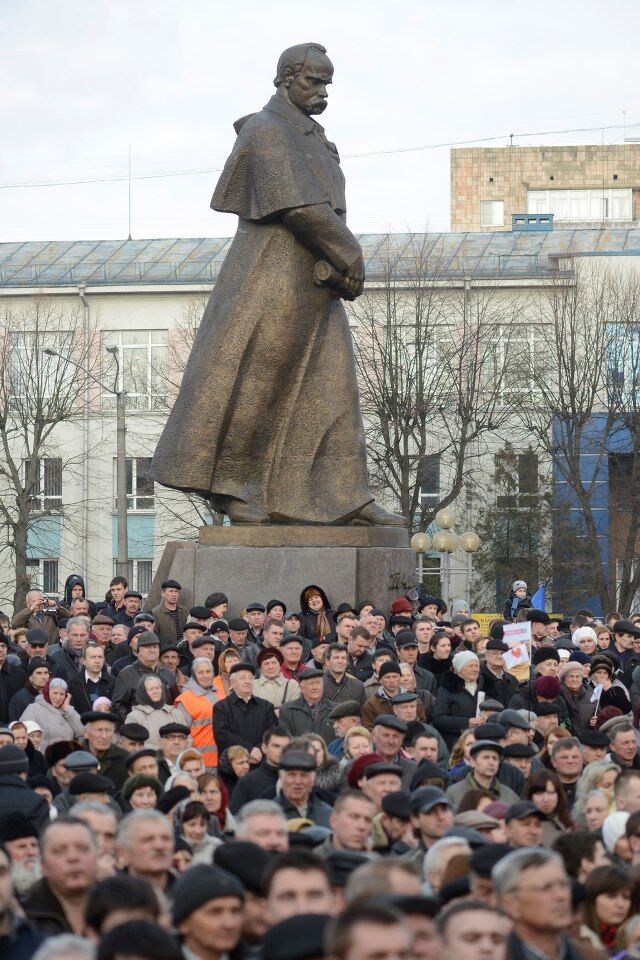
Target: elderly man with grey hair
[
  {"x": 532, "y": 887},
  {"x": 65, "y": 656},
  {"x": 145, "y": 845},
  {"x": 263, "y": 822},
  {"x": 437, "y": 858}
]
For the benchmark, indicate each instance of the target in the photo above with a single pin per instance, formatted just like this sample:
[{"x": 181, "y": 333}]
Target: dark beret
[
  {"x": 594, "y": 738},
  {"x": 135, "y": 732},
  {"x": 397, "y": 804},
  {"x": 293, "y": 638},
  {"x": 380, "y": 769},
  {"x": 255, "y": 608},
  {"x": 239, "y": 667},
  {"x": 102, "y": 618},
  {"x": 200, "y": 613},
  {"x": 36, "y": 635},
  {"x": 406, "y": 697},
  {"x": 90, "y": 783},
  {"x": 132, "y": 593},
  {"x": 172, "y": 798},
  {"x": 171, "y": 584},
  {"x": 169, "y": 728},
  {"x": 521, "y": 750},
  {"x": 94, "y": 716},
  {"x": 246, "y": 861},
  {"x": 496, "y": 644},
  {"x": 342, "y": 863},
  {"x": 131, "y": 758},
  {"x": 194, "y": 625},
  {"x": 484, "y": 859},
  {"x": 391, "y": 721},
  {"x": 238, "y": 624}
]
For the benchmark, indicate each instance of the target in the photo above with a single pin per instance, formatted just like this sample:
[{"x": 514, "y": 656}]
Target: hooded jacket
[
  {"x": 73, "y": 580},
  {"x": 56, "y": 724},
  {"x": 151, "y": 715},
  {"x": 309, "y": 618}
]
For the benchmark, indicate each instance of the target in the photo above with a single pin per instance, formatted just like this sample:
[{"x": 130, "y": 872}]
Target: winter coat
[
  {"x": 16, "y": 795},
  {"x": 21, "y": 700},
  {"x": 56, "y": 724},
  {"x": 439, "y": 668},
  {"x": 258, "y": 784},
  {"x": 49, "y": 622},
  {"x": 377, "y": 705},
  {"x": 455, "y": 706},
  {"x": 73, "y": 580},
  {"x": 45, "y": 911},
  {"x": 525, "y": 699},
  {"x": 309, "y": 619},
  {"x": 317, "y": 810},
  {"x": 236, "y": 722},
  {"x": 362, "y": 668},
  {"x": 524, "y": 603},
  {"x": 154, "y": 719},
  {"x": 110, "y": 764},
  {"x": 501, "y": 792},
  {"x": 330, "y": 779},
  {"x": 79, "y": 690},
  {"x": 277, "y": 691},
  {"x": 498, "y": 689},
  {"x": 164, "y": 626},
  {"x": 22, "y": 940},
  {"x": 67, "y": 665},
  {"x": 580, "y": 708},
  {"x": 552, "y": 827},
  {"x": 347, "y": 689},
  {"x": 296, "y": 718},
  {"x": 12, "y": 679},
  {"x": 126, "y": 688}
]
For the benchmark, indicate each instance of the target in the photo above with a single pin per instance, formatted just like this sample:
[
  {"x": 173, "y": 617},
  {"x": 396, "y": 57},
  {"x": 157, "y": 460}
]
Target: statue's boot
[
  {"x": 375, "y": 515},
  {"x": 239, "y": 512}
]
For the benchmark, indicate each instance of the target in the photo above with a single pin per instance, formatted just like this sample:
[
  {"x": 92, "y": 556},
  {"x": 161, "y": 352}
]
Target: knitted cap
[
  {"x": 198, "y": 886},
  {"x": 462, "y": 658},
  {"x": 13, "y": 759}
]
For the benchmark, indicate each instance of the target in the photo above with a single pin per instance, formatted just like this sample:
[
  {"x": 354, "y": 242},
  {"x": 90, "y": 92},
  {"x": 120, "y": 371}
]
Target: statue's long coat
[{"x": 268, "y": 408}]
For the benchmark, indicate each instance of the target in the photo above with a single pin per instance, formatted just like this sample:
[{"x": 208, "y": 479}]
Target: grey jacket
[
  {"x": 297, "y": 719},
  {"x": 164, "y": 626},
  {"x": 56, "y": 724}
]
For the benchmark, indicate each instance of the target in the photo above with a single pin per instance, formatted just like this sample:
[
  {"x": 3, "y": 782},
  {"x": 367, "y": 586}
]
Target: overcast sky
[{"x": 83, "y": 79}]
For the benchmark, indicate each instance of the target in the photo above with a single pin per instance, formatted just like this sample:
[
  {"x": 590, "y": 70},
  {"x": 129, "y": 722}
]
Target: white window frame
[
  {"x": 134, "y": 499},
  {"x": 42, "y": 574},
  {"x": 22, "y": 348},
  {"x": 139, "y": 574},
  {"x": 40, "y": 501},
  {"x": 154, "y": 341},
  {"x": 504, "y": 336},
  {"x": 492, "y": 213},
  {"x": 583, "y": 206}
]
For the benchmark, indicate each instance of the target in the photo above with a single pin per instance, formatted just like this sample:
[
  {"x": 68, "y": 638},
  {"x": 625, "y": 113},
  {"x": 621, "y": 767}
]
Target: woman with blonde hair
[
  {"x": 357, "y": 742},
  {"x": 460, "y": 750},
  {"x": 597, "y": 775}
]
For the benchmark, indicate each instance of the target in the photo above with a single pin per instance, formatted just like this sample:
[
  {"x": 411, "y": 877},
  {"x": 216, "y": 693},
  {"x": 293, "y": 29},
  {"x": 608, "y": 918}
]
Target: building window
[
  {"x": 429, "y": 482},
  {"x": 46, "y": 493},
  {"x": 43, "y": 575},
  {"x": 492, "y": 213},
  {"x": 515, "y": 358},
  {"x": 140, "y": 486},
  {"x": 139, "y": 574},
  {"x": 34, "y": 376},
  {"x": 143, "y": 368},
  {"x": 582, "y": 205},
  {"x": 516, "y": 479}
]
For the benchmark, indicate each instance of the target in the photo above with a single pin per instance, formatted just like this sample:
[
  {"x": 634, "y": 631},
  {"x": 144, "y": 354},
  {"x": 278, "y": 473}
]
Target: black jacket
[
  {"x": 21, "y": 700},
  {"x": 516, "y": 949},
  {"x": 317, "y": 810},
  {"x": 22, "y": 940},
  {"x": 258, "y": 784},
  {"x": 439, "y": 668},
  {"x": 523, "y": 603},
  {"x": 79, "y": 691},
  {"x": 243, "y": 723},
  {"x": 309, "y": 619},
  {"x": 362, "y": 668},
  {"x": 111, "y": 764},
  {"x": 455, "y": 706},
  {"x": 16, "y": 795},
  {"x": 44, "y": 910},
  {"x": 525, "y": 699},
  {"x": 495, "y": 689},
  {"x": 12, "y": 679}
]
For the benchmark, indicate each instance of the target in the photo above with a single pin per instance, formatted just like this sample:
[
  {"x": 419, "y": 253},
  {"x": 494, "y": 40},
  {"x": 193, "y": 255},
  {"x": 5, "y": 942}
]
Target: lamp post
[
  {"x": 446, "y": 543},
  {"x": 121, "y": 447}
]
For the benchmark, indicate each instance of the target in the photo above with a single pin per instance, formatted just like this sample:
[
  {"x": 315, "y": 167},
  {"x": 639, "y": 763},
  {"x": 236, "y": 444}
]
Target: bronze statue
[{"x": 267, "y": 423}]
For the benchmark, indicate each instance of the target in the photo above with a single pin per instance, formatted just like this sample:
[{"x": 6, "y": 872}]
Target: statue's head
[{"x": 302, "y": 77}]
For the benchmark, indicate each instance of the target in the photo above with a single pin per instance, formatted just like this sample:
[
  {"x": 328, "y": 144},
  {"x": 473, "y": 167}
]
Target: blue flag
[{"x": 538, "y": 600}]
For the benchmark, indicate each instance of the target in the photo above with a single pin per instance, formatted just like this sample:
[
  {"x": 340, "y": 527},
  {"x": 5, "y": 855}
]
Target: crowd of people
[{"x": 337, "y": 781}]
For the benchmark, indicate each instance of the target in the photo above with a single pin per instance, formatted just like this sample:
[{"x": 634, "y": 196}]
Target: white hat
[
  {"x": 462, "y": 658},
  {"x": 32, "y": 727},
  {"x": 584, "y": 633},
  {"x": 613, "y": 828}
]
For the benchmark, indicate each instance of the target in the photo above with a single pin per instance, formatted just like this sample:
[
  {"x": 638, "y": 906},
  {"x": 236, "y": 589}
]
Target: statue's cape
[{"x": 281, "y": 159}]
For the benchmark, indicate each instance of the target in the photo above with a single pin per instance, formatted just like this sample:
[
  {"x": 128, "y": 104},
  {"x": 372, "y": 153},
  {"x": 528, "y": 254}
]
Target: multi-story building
[
  {"x": 582, "y": 185},
  {"x": 146, "y": 298}
]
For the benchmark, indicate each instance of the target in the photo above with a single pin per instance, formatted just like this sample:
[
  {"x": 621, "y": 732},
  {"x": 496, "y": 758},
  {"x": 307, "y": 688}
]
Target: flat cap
[
  {"x": 626, "y": 626},
  {"x": 148, "y": 639},
  {"x": 475, "y": 820},
  {"x": 397, "y": 804},
  {"x": 391, "y": 721},
  {"x": 300, "y": 937},
  {"x": 348, "y": 708},
  {"x": 198, "y": 886},
  {"x": 521, "y": 751},
  {"x": 522, "y": 810},
  {"x": 342, "y": 863},
  {"x": 484, "y": 859},
  {"x": 102, "y": 619},
  {"x": 310, "y": 673},
  {"x": 296, "y": 760},
  {"x": 80, "y": 760},
  {"x": 194, "y": 625},
  {"x": 246, "y": 861},
  {"x": 479, "y": 745},
  {"x": 171, "y": 584},
  {"x": 406, "y": 697},
  {"x": 268, "y": 653},
  {"x": 238, "y": 624},
  {"x": 239, "y": 667},
  {"x": 489, "y": 731},
  {"x": 382, "y": 769},
  {"x": 37, "y": 636},
  {"x": 170, "y": 728},
  {"x": 426, "y": 798},
  {"x": 594, "y": 738},
  {"x": 255, "y": 608},
  {"x": 131, "y": 594},
  {"x": 95, "y": 716},
  {"x": 135, "y": 732},
  {"x": 131, "y": 758},
  {"x": 293, "y": 638},
  {"x": 202, "y": 641},
  {"x": 144, "y": 616},
  {"x": 215, "y": 599},
  {"x": 511, "y": 718},
  {"x": 88, "y": 782},
  {"x": 496, "y": 644},
  {"x": 200, "y": 613},
  {"x": 426, "y": 770}
]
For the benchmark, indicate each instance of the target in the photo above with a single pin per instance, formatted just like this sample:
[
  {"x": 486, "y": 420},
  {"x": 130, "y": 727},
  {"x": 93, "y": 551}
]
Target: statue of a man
[{"x": 267, "y": 423}]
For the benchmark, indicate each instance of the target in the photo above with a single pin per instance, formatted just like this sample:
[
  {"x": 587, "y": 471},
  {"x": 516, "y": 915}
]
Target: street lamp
[
  {"x": 121, "y": 446},
  {"x": 421, "y": 544},
  {"x": 445, "y": 542}
]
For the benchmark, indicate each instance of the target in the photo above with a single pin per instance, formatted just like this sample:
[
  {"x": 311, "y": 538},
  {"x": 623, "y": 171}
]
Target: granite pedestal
[{"x": 262, "y": 562}]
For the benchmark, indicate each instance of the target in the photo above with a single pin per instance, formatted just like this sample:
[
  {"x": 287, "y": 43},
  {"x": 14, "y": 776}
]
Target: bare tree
[
  {"x": 38, "y": 393},
  {"x": 583, "y": 414},
  {"x": 432, "y": 359}
]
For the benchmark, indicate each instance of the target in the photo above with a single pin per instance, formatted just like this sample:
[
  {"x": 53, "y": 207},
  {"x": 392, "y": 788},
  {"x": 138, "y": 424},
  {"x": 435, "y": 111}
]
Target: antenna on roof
[{"x": 129, "y": 237}]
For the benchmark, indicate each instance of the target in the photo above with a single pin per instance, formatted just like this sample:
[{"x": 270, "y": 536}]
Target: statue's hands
[{"x": 353, "y": 278}]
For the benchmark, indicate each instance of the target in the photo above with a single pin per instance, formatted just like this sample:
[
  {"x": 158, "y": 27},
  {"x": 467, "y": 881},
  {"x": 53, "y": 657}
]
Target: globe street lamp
[
  {"x": 421, "y": 544},
  {"x": 121, "y": 448},
  {"x": 445, "y": 542}
]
